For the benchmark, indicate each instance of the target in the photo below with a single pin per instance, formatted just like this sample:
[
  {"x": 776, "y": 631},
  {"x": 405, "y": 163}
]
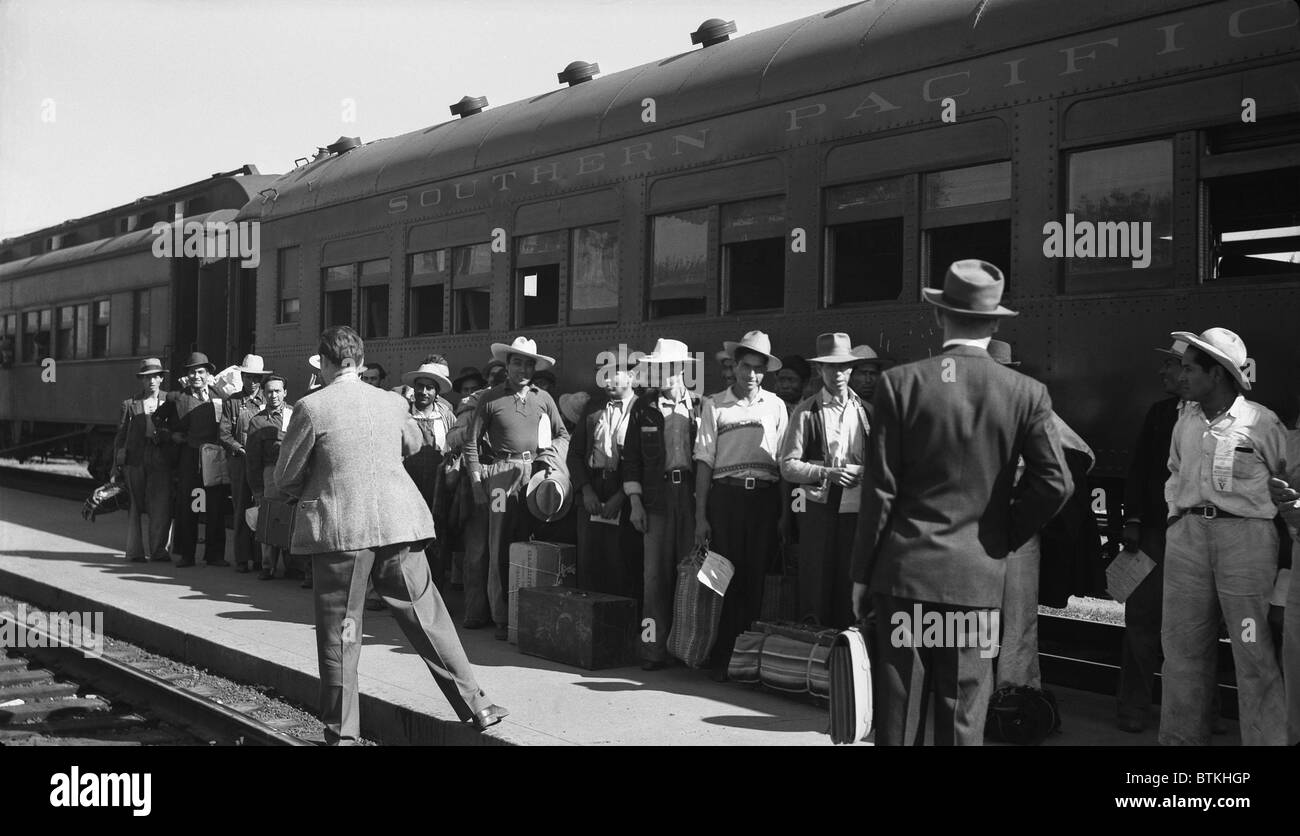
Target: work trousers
[
  {"x": 402, "y": 579},
  {"x": 478, "y": 607},
  {"x": 242, "y": 498},
  {"x": 190, "y": 479},
  {"x": 669, "y": 539},
  {"x": 1226, "y": 565},
  {"x": 150, "y": 489},
  {"x": 956, "y": 672},
  {"x": 744, "y": 524},
  {"x": 1291, "y": 651},
  {"x": 1140, "y": 650},
  {"x": 826, "y": 561},
  {"x": 1018, "y": 654},
  {"x": 610, "y": 557},
  {"x": 508, "y": 521}
]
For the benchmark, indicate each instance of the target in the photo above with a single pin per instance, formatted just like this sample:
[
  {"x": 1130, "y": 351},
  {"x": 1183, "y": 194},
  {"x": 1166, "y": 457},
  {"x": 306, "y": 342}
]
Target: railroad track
[
  {"x": 61, "y": 485},
  {"x": 54, "y": 693}
]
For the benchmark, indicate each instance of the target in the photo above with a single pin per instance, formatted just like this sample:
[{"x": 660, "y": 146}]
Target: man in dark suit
[
  {"x": 941, "y": 514},
  {"x": 360, "y": 516},
  {"x": 148, "y": 472}
]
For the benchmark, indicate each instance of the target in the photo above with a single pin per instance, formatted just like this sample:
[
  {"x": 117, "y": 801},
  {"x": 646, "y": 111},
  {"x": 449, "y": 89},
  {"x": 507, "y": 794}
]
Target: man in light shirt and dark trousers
[
  {"x": 1221, "y": 553},
  {"x": 824, "y": 451},
  {"x": 738, "y": 493}
]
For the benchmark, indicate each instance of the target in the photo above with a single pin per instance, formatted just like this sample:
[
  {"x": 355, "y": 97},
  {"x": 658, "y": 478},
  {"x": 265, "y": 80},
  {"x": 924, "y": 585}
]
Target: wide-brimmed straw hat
[
  {"x": 197, "y": 360},
  {"x": 1001, "y": 352},
  {"x": 865, "y": 355},
  {"x": 669, "y": 351},
  {"x": 755, "y": 341},
  {"x": 971, "y": 287},
  {"x": 151, "y": 366},
  {"x": 253, "y": 364},
  {"x": 549, "y": 496},
  {"x": 435, "y": 371},
  {"x": 524, "y": 346},
  {"x": 1176, "y": 350},
  {"x": 571, "y": 405},
  {"x": 834, "y": 348},
  {"x": 1225, "y": 347}
]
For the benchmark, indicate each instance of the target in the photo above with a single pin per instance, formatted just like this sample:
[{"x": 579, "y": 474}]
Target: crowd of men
[{"x": 924, "y": 487}]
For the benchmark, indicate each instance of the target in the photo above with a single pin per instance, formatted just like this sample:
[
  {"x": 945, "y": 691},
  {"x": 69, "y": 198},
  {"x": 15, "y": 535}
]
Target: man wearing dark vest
[
  {"x": 236, "y": 413},
  {"x": 197, "y": 424},
  {"x": 940, "y": 514}
]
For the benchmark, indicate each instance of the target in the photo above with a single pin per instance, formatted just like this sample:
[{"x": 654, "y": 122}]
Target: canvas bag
[{"x": 696, "y": 613}]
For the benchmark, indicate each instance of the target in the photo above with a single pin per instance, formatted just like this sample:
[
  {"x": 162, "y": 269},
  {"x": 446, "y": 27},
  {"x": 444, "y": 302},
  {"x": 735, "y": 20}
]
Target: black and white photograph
[{"x": 632, "y": 374}]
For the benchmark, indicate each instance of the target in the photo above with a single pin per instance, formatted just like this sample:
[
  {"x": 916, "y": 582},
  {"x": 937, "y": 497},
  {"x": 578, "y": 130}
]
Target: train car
[
  {"x": 82, "y": 302},
  {"x": 816, "y": 176}
]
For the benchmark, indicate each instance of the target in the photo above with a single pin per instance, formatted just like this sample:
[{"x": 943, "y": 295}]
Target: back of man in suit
[
  {"x": 943, "y": 510},
  {"x": 360, "y": 516}
]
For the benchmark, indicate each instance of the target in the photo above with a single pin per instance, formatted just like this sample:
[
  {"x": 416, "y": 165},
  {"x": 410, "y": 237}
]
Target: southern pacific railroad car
[
  {"x": 92, "y": 295},
  {"x": 815, "y": 176}
]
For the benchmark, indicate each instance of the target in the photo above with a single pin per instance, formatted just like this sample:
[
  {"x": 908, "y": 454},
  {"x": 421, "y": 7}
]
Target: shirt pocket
[{"x": 1246, "y": 463}]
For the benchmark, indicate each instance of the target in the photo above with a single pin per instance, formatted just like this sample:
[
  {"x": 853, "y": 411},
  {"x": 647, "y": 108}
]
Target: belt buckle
[
  {"x": 750, "y": 482},
  {"x": 526, "y": 456},
  {"x": 676, "y": 477},
  {"x": 1209, "y": 512}
]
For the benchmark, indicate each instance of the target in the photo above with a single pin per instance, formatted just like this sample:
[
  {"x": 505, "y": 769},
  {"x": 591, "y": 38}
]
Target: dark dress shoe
[
  {"x": 266, "y": 575},
  {"x": 490, "y": 716},
  {"x": 185, "y": 563},
  {"x": 140, "y": 559},
  {"x": 166, "y": 558},
  {"x": 653, "y": 665},
  {"x": 242, "y": 569}
]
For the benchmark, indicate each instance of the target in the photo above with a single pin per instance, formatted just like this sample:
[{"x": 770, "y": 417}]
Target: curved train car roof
[{"x": 838, "y": 48}]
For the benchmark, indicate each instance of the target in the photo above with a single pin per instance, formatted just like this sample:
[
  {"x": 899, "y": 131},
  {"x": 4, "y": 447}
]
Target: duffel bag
[
  {"x": 1022, "y": 715},
  {"x": 696, "y": 613},
  {"x": 787, "y": 657},
  {"x": 850, "y": 668}
]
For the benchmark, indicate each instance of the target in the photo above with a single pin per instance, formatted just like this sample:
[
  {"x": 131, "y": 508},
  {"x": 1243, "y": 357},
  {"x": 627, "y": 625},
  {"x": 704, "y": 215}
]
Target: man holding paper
[{"x": 824, "y": 450}]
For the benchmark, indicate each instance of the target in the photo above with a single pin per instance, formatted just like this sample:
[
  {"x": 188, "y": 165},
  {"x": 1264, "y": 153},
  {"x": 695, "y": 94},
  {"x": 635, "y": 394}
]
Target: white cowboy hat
[
  {"x": 669, "y": 351},
  {"x": 754, "y": 341},
  {"x": 437, "y": 371},
  {"x": 253, "y": 364},
  {"x": 971, "y": 287},
  {"x": 1224, "y": 346},
  {"x": 524, "y": 346},
  {"x": 834, "y": 348}
]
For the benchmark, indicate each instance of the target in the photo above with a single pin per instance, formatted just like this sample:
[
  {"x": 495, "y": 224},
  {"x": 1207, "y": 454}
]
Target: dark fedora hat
[
  {"x": 971, "y": 287},
  {"x": 469, "y": 373},
  {"x": 1001, "y": 352},
  {"x": 198, "y": 359}
]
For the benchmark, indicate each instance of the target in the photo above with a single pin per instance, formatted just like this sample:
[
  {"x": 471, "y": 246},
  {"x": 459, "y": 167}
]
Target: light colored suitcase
[{"x": 851, "y": 708}]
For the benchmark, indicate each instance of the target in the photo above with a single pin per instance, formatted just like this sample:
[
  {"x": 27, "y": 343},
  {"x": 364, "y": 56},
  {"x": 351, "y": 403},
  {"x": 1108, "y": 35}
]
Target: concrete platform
[{"x": 260, "y": 632}]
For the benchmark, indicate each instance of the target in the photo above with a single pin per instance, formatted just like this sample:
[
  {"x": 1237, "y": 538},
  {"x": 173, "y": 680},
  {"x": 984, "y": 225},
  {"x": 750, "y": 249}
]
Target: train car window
[
  {"x": 537, "y": 279},
  {"x": 1119, "y": 186},
  {"x": 140, "y": 342},
  {"x": 375, "y": 277},
  {"x": 966, "y": 213},
  {"x": 471, "y": 287},
  {"x": 65, "y": 333},
  {"x": 595, "y": 278},
  {"x": 36, "y": 336},
  {"x": 864, "y": 242},
  {"x": 428, "y": 272},
  {"x": 8, "y": 334},
  {"x": 99, "y": 342},
  {"x": 82, "y": 338},
  {"x": 752, "y": 234},
  {"x": 1255, "y": 225},
  {"x": 679, "y": 273},
  {"x": 339, "y": 283},
  {"x": 287, "y": 308}
]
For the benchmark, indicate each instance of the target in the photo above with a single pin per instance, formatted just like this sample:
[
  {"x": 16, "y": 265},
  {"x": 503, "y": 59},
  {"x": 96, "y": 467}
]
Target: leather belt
[
  {"x": 511, "y": 457},
  {"x": 1209, "y": 512},
  {"x": 677, "y": 475},
  {"x": 749, "y": 483}
]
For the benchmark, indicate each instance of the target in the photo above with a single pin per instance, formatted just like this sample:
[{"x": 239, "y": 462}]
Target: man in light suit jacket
[
  {"x": 941, "y": 514},
  {"x": 360, "y": 516}
]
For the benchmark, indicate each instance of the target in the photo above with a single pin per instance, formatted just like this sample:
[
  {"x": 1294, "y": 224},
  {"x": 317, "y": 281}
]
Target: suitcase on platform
[
  {"x": 850, "y": 668},
  {"x": 589, "y": 630},
  {"x": 537, "y": 563}
]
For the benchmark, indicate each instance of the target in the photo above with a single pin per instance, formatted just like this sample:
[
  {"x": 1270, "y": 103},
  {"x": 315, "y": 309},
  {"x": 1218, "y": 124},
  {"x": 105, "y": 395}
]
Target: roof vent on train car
[
  {"x": 578, "y": 72},
  {"x": 468, "y": 106},
  {"x": 343, "y": 144},
  {"x": 713, "y": 31}
]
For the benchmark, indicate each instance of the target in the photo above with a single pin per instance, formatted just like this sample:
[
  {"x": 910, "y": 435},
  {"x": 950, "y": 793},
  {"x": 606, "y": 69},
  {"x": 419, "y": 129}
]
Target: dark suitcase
[
  {"x": 590, "y": 630},
  {"x": 275, "y": 523}
]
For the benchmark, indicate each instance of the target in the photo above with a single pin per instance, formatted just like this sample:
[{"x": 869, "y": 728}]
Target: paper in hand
[
  {"x": 1125, "y": 572},
  {"x": 716, "y": 572}
]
